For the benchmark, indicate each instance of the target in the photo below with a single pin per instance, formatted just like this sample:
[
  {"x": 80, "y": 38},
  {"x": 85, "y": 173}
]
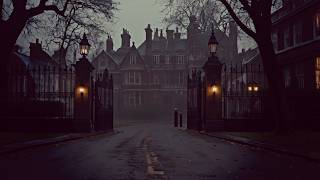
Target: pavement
[
  {"x": 261, "y": 144},
  {"x": 14, "y": 147},
  {"x": 153, "y": 151}
]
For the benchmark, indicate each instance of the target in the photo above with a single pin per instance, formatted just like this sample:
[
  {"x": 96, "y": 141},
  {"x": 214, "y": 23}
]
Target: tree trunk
[
  {"x": 9, "y": 33},
  {"x": 275, "y": 80}
]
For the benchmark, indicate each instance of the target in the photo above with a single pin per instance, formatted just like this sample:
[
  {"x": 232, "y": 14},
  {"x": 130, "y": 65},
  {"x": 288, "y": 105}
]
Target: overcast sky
[{"x": 135, "y": 15}]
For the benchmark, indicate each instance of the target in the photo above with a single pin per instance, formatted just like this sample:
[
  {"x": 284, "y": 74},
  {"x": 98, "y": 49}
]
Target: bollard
[
  {"x": 175, "y": 117},
  {"x": 180, "y": 119}
]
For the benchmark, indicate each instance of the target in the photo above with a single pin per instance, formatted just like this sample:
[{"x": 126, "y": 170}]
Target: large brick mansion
[{"x": 151, "y": 78}]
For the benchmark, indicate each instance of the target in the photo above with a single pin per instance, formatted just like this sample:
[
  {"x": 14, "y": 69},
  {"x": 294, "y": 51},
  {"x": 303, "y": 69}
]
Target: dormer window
[{"x": 133, "y": 59}]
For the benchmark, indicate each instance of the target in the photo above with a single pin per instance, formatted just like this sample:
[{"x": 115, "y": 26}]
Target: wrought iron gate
[
  {"x": 103, "y": 102},
  {"x": 195, "y": 99}
]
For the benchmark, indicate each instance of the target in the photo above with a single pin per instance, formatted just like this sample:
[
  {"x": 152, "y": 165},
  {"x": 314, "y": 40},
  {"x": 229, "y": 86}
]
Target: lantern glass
[
  {"x": 214, "y": 89},
  {"x": 84, "y": 50},
  {"x": 84, "y": 46},
  {"x": 82, "y": 91},
  {"x": 213, "y": 48}
]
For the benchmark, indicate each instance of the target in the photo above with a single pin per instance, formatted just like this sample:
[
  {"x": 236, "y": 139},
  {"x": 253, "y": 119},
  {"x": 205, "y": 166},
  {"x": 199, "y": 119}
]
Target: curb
[
  {"x": 264, "y": 146},
  {"x": 49, "y": 141}
]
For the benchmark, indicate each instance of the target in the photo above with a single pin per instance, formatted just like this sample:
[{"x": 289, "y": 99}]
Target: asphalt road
[{"x": 153, "y": 151}]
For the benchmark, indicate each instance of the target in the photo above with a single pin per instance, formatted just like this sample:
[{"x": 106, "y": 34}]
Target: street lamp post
[
  {"x": 83, "y": 103},
  {"x": 213, "y": 99}
]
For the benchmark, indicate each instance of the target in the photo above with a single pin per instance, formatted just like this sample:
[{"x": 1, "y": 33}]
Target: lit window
[
  {"x": 317, "y": 72},
  {"x": 317, "y": 25}
]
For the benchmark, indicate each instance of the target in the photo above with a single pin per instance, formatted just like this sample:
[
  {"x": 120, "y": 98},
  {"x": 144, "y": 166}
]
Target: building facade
[
  {"x": 296, "y": 36},
  {"x": 151, "y": 79}
]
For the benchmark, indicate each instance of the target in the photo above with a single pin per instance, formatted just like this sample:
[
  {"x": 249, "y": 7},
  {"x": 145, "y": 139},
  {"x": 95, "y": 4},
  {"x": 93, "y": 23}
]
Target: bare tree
[
  {"x": 16, "y": 14},
  {"x": 65, "y": 32},
  {"x": 207, "y": 12},
  {"x": 260, "y": 15}
]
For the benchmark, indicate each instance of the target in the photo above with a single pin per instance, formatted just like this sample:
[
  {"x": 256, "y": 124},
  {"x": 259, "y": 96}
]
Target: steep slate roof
[
  {"x": 163, "y": 46},
  {"x": 120, "y": 54},
  {"x": 132, "y": 49},
  {"x": 28, "y": 61},
  {"x": 250, "y": 56},
  {"x": 105, "y": 54}
]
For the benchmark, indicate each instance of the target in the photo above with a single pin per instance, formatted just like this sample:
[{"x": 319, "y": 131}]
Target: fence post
[
  {"x": 180, "y": 119},
  {"x": 83, "y": 121},
  {"x": 213, "y": 95}
]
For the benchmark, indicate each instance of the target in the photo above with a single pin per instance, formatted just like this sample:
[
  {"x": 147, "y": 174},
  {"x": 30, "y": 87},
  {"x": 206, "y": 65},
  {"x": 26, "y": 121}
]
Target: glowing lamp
[
  {"x": 253, "y": 87},
  {"x": 214, "y": 89},
  {"x": 82, "y": 91},
  {"x": 213, "y": 43},
  {"x": 84, "y": 46}
]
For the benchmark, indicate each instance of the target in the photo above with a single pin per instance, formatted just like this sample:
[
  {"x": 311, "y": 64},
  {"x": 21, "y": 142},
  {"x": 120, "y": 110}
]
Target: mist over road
[{"x": 153, "y": 151}]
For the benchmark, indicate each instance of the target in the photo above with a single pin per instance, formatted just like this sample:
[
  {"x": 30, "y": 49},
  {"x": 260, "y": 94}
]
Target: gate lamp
[
  {"x": 84, "y": 46},
  {"x": 253, "y": 87},
  {"x": 82, "y": 91},
  {"x": 214, "y": 89},
  {"x": 213, "y": 43}
]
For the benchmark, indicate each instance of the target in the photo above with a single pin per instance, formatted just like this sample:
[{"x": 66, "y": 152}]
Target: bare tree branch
[{"x": 233, "y": 14}]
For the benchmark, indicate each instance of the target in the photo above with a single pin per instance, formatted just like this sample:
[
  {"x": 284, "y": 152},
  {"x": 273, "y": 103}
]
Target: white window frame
[
  {"x": 156, "y": 59},
  {"x": 180, "y": 59},
  {"x": 133, "y": 78},
  {"x": 133, "y": 59}
]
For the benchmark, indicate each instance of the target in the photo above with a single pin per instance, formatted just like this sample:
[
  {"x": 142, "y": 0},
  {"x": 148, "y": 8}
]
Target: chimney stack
[
  {"x": 35, "y": 49},
  {"x": 156, "y": 34},
  {"x": 109, "y": 44},
  {"x": 169, "y": 34},
  {"x": 126, "y": 38},
  {"x": 177, "y": 34},
  {"x": 148, "y": 33},
  {"x": 161, "y": 35}
]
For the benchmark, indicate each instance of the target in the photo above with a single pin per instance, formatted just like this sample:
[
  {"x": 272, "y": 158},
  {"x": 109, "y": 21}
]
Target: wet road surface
[{"x": 153, "y": 151}]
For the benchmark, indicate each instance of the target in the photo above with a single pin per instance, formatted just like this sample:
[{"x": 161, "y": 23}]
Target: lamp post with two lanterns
[
  {"x": 83, "y": 120},
  {"x": 213, "y": 94}
]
